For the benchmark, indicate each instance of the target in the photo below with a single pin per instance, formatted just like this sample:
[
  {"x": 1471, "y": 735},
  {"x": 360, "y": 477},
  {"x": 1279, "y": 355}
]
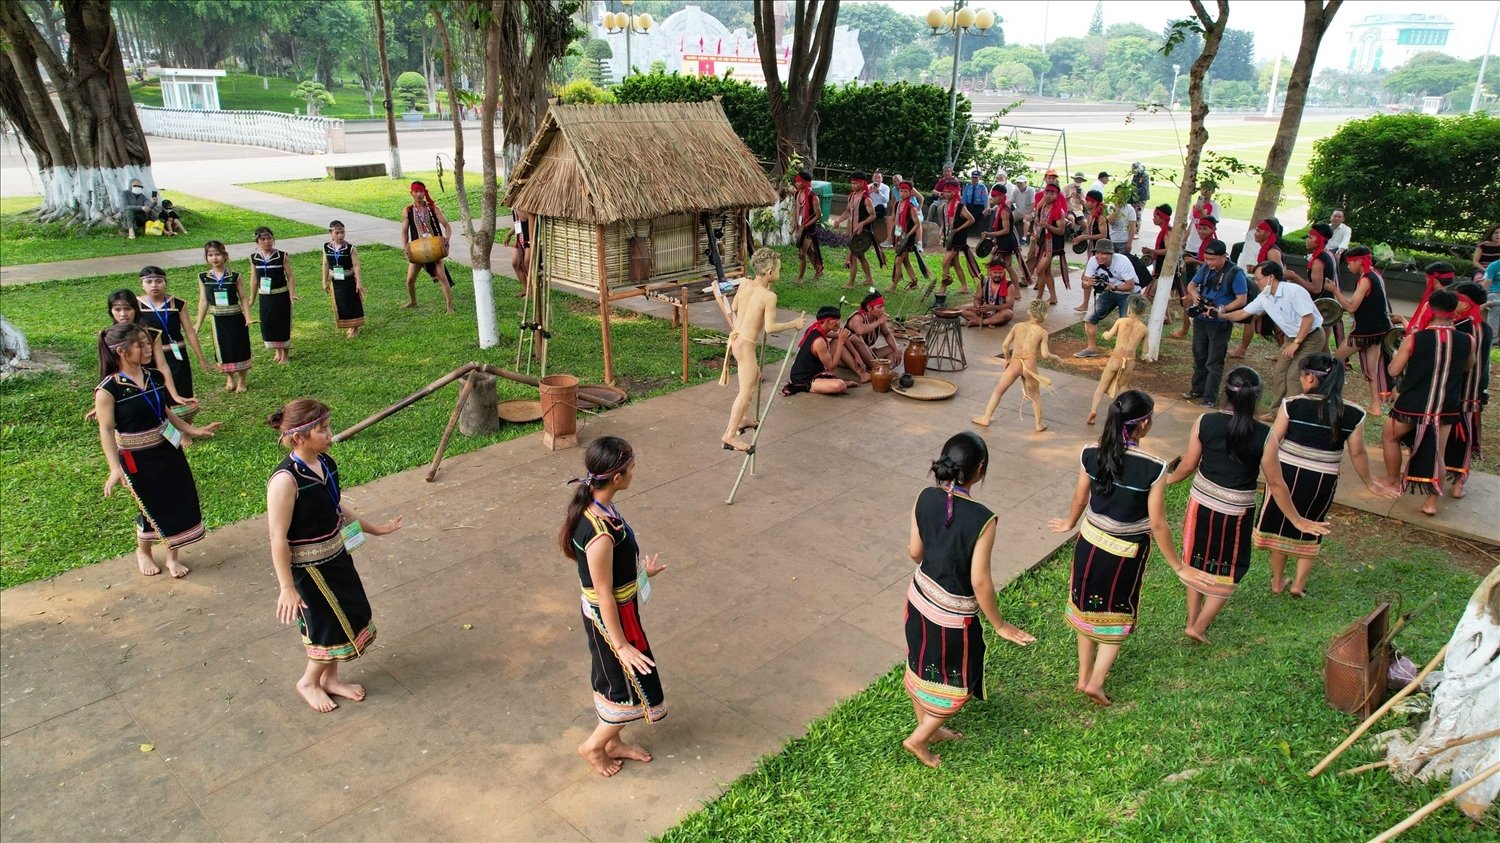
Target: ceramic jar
[
  {"x": 881, "y": 375},
  {"x": 914, "y": 361}
]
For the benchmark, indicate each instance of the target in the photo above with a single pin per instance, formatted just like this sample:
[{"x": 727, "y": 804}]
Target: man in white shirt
[
  {"x": 1101, "y": 184},
  {"x": 1002, "y": 180},
  {"x": 1292, "y": 309},
  {"x": 1339, "y": 242},
  {"x": 1022, "y": 200},
  {"x": 1114, "y": 279},
  {"x": 1122, "y": 227},
  {"x": 880, "y": 197}
]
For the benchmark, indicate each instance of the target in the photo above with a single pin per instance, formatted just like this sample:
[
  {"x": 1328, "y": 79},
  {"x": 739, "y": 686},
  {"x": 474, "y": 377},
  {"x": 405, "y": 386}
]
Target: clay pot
[
  {"x": 881, "y": 375},
  {"x": 914, "y": 361}
]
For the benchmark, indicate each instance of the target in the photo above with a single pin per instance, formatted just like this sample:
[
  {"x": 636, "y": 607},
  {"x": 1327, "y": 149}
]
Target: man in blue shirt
[{"x": 1220, "y": 285}]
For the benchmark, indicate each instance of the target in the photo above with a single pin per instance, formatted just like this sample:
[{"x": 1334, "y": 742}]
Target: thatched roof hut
[{"x": 622, "y": 198}]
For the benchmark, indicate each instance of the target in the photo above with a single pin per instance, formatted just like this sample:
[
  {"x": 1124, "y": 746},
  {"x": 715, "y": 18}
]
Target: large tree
[
  {"x": 1317, "y": 15},
  {"x": 794, "y": 106},
  {"x": 87, "y": 160},
  {"x": 533, "y": 36},
  {"x": 1211, "y": 30}
]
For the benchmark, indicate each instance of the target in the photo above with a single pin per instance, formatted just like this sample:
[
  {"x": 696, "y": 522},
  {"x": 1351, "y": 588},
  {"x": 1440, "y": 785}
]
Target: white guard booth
[{"x": 191, "y": 89}]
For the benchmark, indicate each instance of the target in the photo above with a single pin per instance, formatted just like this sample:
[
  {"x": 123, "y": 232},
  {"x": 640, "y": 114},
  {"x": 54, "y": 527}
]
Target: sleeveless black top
[
  {"x": 948, "y": 546},
  {"x": 166, "y": 320},
  {"x": 807, "y": 365},
  {"x": 1330, "y": 272},
  {"x": 139, "y": 406},
  {"x": 1307, "y": 428},
  {"x": 594, "y": 524},
  {"x": 1124, "y": 510},
  {"x": 269, "y": 267},
  {"x": 1218, "y": 465},
  {"x": 1373, "y": 316},
  {"x": 315, "y": 512},
  {"x": 1433, "y": 381},
  {"x": 229, "y": 285},
  {"x": 343, "y": 258}
]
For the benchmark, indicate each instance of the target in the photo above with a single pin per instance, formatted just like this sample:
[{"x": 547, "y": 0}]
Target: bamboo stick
[
  {"x": 1380, "y": 712},
  {"x": 1424, "y": 757},
  {"x": 1422, "y": 812},
  {"x": 463, "y": 398},
  {"x": 683, "y": 306},
  {"x": 750, "y": 455},
  {"x": 409, "y": 400},
  {"x": 609, "y": 357}
]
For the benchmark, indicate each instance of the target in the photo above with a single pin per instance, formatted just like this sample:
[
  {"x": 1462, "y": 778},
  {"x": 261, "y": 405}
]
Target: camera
[
  {"x": 1197, "y": 310},
  {"x": 1102, "y": 281}
]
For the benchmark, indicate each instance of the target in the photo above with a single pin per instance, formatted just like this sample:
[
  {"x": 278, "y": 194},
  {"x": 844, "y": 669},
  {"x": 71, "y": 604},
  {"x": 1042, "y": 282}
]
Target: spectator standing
[
  {"x": 1486, "y": 252},
  {"x": 1291, "y": 308},
  {"x": 1023, "y": 200},
  {"x": 1102, "y": 184},
  {"x": 1205, "y": 206},
  {"x": 1223, "y": 288},
  {"x": 1341, "y": 235},
  {"x": 1122, "y": 226},
  {"x": 1073, "y": 192},
  {"x": 1140, "y": 183},
  {"x": 975, "y": 195},
  {"x": 880, "y": 197}
]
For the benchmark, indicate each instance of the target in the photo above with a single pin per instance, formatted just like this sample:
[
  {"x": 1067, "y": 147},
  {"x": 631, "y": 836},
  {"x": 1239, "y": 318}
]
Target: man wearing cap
[
  {"x": 975, "y": 195},
  {"x": 819, "y": 352},
  {"x": 1292, "y": 309},
  {"x": 136, "y": 208},
  {"x": 1222, "y": 287},
  {"x": 1102, "y": 184},
  {"x": 1116, "y": 279},
  {"x": 1073, "y": 192},
  {"x": 1022, "y": 200}
]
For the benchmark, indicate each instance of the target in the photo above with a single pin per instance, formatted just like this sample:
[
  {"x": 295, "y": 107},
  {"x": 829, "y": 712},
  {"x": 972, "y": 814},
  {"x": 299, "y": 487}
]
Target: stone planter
[{"x": 412, "y": 116}]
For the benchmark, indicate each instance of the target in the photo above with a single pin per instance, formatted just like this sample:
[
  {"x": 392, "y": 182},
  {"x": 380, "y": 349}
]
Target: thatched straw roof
[{"x": 606, "y": 163}]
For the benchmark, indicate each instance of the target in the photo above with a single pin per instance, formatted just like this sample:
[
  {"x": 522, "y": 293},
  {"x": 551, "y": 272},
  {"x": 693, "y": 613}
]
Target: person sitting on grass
[
  {"x": 136, "y": 209},
  {"x": 817, "y": 357}
]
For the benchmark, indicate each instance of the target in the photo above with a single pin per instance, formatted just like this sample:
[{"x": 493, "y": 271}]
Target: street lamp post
[
  {"x": 1176, "y": 69},
  {"x": 960, "y": 21},
  {"x": 617, "y": 22}
]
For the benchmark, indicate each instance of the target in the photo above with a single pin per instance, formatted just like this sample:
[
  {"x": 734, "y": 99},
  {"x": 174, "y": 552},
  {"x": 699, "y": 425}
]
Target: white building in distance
[{"x": 1383, "y": 42}]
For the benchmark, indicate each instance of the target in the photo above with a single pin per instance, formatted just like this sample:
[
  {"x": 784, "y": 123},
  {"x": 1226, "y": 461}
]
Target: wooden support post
[
  {"x": 463, "y": 398},
  {"x": 407, "y": 401},
  {"x": 1395, "y": 830},
  {"x": 682, "y": 298},
  {"x": 609, "y": 364},
  {"x": 481, "y": 416}
]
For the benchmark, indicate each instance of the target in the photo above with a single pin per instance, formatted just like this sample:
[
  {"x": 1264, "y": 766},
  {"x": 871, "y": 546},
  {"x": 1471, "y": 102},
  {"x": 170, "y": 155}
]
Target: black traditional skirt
[
  {"x": 621, "y": 695},
  {"x": 276, "y": 319},
  {"x": 158, "y": 477},
  {"x": 182, "y": 377},
  {"x": 1463, "y": 444},
  {"x": 1104, "y": 592},
  {"x": 944, "y": 648},
  {"x": 348, "y": 307},
  {"x": 1425, "y": 462},
  {"x": 1312, "y": 475},
  {"x": 231, "y": 341},
  {"x": 1216, "y": 538},
  {"x": 336, "y": 625}
]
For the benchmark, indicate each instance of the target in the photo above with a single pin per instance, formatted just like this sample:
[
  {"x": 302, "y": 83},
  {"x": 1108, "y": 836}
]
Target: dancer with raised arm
[
  {"x": 1130, "y": 335},
  {"x": 1372, "y": 321}
]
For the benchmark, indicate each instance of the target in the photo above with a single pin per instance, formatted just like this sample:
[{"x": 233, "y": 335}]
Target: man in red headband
[
  {"x": 1439, "y": 276},
  {"x": 1052, "y": 219},
  {"x": 1464, "y": 441},
  {"x": 807, "y": 216},
  {"x": 860, "y": 215},
  {"x": 1267, "y": 234},
  {"x": 423, "y": 219},
  {"x": 1372, "y": 322},
  {"x": 957, "y": 221},
  {"x": 866, "y": 328},
  {"x": 819, "y": 352},
  {"x": 906, "y": 233}
]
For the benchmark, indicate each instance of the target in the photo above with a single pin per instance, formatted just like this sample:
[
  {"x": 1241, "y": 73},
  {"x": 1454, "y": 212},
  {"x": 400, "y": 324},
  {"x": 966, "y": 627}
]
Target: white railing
[{"x": 292, "y": 133}]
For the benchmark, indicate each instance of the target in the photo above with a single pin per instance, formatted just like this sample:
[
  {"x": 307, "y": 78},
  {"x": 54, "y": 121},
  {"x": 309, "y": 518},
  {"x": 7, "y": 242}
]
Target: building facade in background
[{"x": 1383, "y": 42}]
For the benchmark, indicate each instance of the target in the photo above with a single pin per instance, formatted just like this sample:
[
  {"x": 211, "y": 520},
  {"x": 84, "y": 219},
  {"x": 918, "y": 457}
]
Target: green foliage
[
  {"x": 1234, "y": 94},
  {"x": 1397, "y": 176},
  {"x": 26, "y": 241},
  {"x": 410, "y": 89},
  {"x": 1014, "y": 76},
  {"x": 1235, "y": 61},
  {"x": 884, "y": 32},
  {"x": 314, "y": 94},
  {"x": 583, "y": 92},
  {"x": 244, "y": 92},
  {"x": 1429, "y": 73},
  {"x": 51, "y": 470},
  {"x": 1096, "y": 23}
]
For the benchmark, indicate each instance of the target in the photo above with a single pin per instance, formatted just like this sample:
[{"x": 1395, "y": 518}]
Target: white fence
[{"x": 287, "y": 132}]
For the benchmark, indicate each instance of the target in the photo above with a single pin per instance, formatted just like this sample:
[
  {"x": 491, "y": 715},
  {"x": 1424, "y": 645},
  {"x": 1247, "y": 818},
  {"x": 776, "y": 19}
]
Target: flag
[
  {"x": 787, "y": 53},
  {"x": 736, "y": 46},
  {"x": 700, "y": 43},
  {"x": 681, "y": 45},
  {"x": 720, "y": 47}
]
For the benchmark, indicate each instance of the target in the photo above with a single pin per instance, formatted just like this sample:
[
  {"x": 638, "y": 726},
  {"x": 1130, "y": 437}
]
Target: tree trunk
[
  {"x": 1466, "y": 703},
  {"x": 385, "y": 81},
  {"x": 480, "y": 415},
  {"x": 533, "y": 35},
  {"x": 429, "y": 72},
  {"x": 482, "y": 240},
  {"x": 1213, "y": 33},
  {"x": 794, "y": 107},
  {"x": 1316, "y": 17},
  {"x": 85, "y": 163}
]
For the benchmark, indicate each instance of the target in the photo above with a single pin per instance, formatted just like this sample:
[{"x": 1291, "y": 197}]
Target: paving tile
[
  {"x": 185, "y": 825},
  {"x": 43, "y": 672}
]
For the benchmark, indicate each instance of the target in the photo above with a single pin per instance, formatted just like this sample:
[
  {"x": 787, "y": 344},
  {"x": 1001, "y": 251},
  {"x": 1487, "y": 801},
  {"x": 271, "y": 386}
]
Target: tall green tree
[
  {"x": 883, "y": 32},
  {"x": 201, "y": 33},
  {"x": 532, "y": 36},
  {"x": 794, "y": 107},
  {"x": 1236, "y": 61},
  {"x": 1096, "y": 23},
  {"x": 1429, "y": 74}
]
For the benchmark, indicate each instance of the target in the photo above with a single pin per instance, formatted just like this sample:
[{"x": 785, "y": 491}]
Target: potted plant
[{"x": 410, "y": 89}]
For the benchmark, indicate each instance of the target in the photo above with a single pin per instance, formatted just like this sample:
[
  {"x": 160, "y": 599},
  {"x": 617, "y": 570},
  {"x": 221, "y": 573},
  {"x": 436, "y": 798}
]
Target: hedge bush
[
  {"x": 1410, "y": 180},
  {"x": 1295, "y": 243},
  {"x": 897, "y": 127}
]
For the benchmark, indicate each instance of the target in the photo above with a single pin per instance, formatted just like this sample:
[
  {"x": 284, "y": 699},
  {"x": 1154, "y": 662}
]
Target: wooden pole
[
  {"x": 1380, "y": 712},
  {"x": 750, "y": 455},
  {"x": 409, "y": 400},
  {"x": 1424, "y": 757},
  {"x": 437, "y": 458},
  {"x": 1422, "y": 812},
  {"x": 760, "y": 364},
  {"x": 682, "y": 296},
  {"x": 609, "y": 362}
]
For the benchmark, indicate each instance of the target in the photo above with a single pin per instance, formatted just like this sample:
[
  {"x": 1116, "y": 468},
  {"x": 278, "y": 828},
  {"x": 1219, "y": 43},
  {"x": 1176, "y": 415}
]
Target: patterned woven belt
[
  {"x": 314, "y": 552},
  {"x": 274, "y": 291},
  {"x": 1220, "y": 498},
  {"x": 140, "y": 440},
  {"x": 223, "y": 309},
  {"x": 1123, "y": 548}
]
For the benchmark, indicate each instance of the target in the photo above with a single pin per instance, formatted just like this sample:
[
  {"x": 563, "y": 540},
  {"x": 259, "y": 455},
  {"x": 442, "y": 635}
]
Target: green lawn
[
  {"x": 24, "y": 241},
  {"x": 383, "y": 196},
  {"x": 51, "y": 470},
  {"x": 1241, "y": 722},
  {"x": 244, "y": 92}
]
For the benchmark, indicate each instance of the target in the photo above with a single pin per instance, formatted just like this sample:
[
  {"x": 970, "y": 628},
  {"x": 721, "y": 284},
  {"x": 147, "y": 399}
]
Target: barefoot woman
[
  {"x": 312, "y": 533},
  {"x": 951, "y": 538},
  {"x": 615, "y": 582}
]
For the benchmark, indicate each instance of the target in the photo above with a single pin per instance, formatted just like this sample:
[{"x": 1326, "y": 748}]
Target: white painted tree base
[
  {"x": 90, "y": 195},
  {"x": 13, "y": 346},
  {"x": 484, "y": 306},
  {"x": 1467, "y": 702}
]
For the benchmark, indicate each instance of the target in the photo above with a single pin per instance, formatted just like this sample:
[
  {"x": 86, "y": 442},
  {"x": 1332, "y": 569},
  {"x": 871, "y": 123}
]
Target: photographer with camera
[
  {"x": 1113, "y": 279},
  {"x": 1218, "y": 288},
  {"x": 1291, "y": 308}
]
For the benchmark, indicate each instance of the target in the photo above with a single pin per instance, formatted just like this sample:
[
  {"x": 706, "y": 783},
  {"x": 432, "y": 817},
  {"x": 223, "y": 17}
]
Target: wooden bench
[{"x": 346, "y": 172}]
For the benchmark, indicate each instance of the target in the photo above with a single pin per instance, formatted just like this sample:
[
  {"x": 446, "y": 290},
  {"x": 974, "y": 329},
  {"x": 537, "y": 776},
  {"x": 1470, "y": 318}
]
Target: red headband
[
  {"x": 1440, "y": 276},
  {"x": 1366, "y": 263},
  {"x": 1441, "y": 314},
  {"x": 880, "y": 300},
  {"x": 1265, "y": 225}
]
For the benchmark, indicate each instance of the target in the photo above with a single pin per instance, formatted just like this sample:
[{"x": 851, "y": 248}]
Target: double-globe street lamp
[
  {"x": 617, "y": 22},
  {"x": 960, "y": 21}
]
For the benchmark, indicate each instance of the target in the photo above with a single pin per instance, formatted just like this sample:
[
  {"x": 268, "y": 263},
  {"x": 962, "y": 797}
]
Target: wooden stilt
[
  {"x": 1422, "y": 812},
  {"x": 762, "y": 426},
  {"x": 683, "y": 306},
  {"x": 458, "y": 407},
  {"x": 609, "y": 361}
]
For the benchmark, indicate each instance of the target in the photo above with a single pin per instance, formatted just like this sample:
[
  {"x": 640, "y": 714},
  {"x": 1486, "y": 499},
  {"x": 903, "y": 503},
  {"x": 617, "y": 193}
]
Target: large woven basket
[{"x": 1353, "y": 673}]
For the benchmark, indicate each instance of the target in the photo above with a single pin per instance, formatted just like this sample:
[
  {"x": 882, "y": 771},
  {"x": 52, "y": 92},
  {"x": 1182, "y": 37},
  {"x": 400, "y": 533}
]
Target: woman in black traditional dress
[
  {"x": 1226, "y": 450},
  {"x": 143, "y": 440},
  {"x": 1121, "y": 497},
  {"x": 166, "y": 313},
  {"x": 312, "y": 533},
  {"x": 952, "y": 536},
  {"x": 1464, "y": 441},
  {"x": 341, "y": 278},
  {"x": 271, "y": 282},
  {"x": 1434, "y": 365},
  {"x": 124, "y": 306},
  {"x": 616, "y": 582},
  {"x": 1306, "y": 450},
  {"x": 219, "y": 294},
  {"x": 1372, "y": 321}
]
